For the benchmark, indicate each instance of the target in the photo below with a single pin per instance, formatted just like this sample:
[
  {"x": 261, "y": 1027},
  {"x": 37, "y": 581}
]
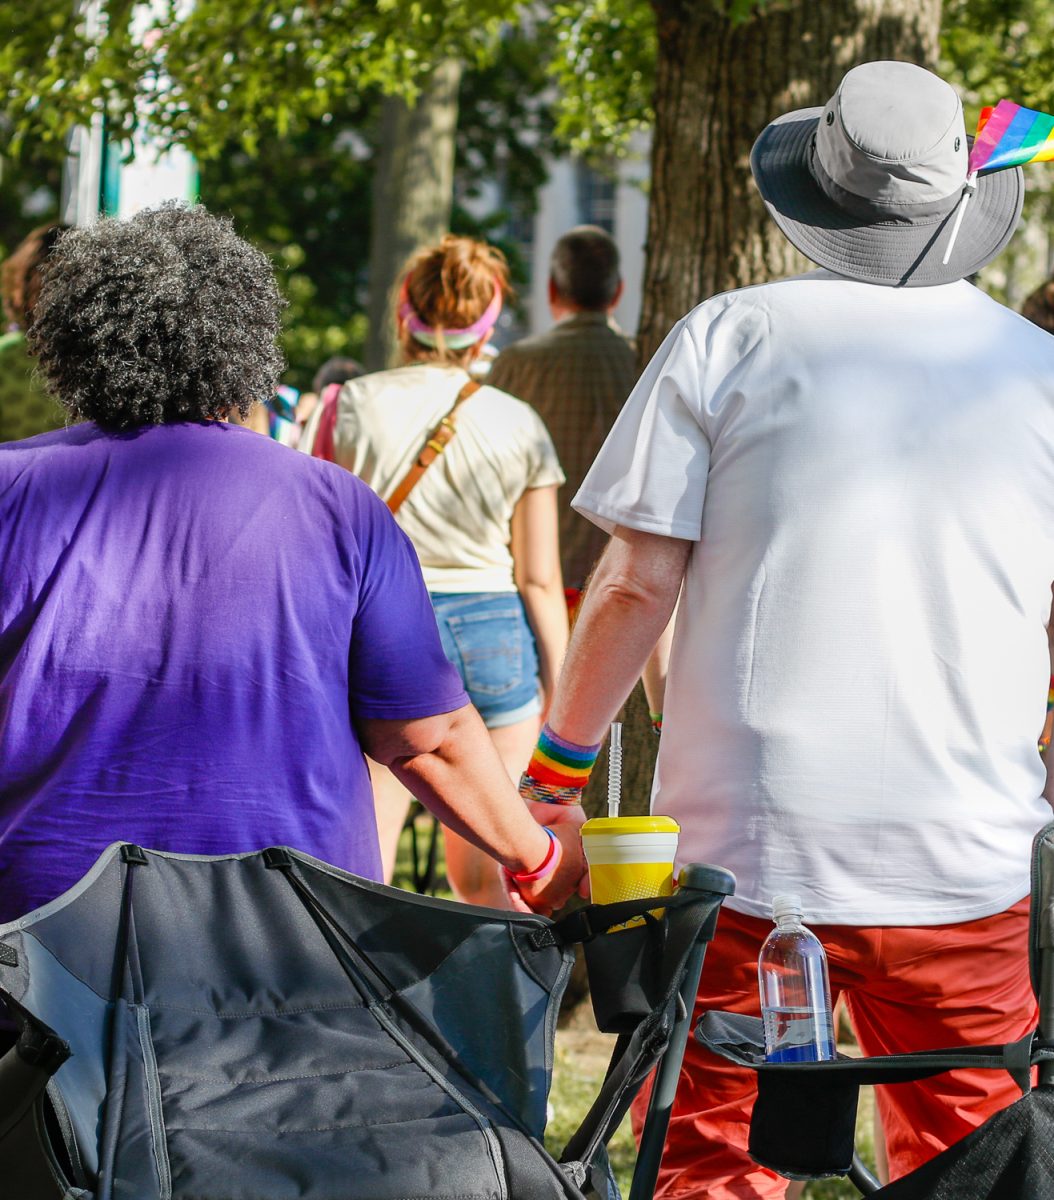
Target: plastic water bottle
[{"x": 795, "y": 991}]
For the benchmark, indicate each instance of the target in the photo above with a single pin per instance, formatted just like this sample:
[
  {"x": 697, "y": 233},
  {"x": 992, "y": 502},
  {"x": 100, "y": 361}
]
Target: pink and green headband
[{"x": 455, "y": 339}]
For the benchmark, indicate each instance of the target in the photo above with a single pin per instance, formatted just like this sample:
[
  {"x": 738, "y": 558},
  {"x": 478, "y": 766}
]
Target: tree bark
[
  {"x": 717, "y": 86},
  {"x": 412, "y": 195}
]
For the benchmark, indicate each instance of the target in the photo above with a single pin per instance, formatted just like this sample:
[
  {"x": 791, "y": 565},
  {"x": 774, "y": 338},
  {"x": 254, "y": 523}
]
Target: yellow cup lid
[{"x": 630, "y": 825}]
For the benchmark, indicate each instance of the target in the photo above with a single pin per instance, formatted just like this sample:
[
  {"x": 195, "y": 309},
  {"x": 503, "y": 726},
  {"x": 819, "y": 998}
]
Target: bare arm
[
  {"x": 536, "y": 570},
  {"x": 627, "y": 606},
  {"x": 449, "y": 763}
]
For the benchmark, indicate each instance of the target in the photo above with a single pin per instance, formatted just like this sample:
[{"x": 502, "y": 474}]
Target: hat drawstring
[{"x": 968, "y": 190}]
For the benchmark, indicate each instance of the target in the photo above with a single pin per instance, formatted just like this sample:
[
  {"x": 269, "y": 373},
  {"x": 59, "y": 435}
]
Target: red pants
[{"x": 906, "y": 988}]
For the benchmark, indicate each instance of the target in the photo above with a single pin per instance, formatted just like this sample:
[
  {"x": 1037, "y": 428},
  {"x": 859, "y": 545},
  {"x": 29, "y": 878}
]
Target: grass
[
  {"x": 582, "y": 1055},
  {"x": 581, "y": 1058}
]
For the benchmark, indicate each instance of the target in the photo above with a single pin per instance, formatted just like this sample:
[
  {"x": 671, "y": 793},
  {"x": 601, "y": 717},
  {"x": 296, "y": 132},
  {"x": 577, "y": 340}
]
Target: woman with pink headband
[{"x": 480, "y": 511}]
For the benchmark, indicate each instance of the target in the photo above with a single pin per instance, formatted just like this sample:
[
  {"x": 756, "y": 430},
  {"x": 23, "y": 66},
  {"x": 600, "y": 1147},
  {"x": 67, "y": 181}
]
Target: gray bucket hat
[{"x": 868, "y": 185}]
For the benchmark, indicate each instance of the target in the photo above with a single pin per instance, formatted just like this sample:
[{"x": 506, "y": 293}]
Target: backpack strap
[
  {"x": 435, "y": 444},
  {"x": 323, "y": 446}
]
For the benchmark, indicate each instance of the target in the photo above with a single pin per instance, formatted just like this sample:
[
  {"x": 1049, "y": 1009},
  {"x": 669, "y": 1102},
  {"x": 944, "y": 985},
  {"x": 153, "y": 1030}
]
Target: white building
[{"x": 578, "y": 195}]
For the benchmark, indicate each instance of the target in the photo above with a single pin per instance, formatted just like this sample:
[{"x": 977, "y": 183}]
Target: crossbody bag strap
[
  {"x": 437, "y": 442},
  {"x": 325, "y": 428}
]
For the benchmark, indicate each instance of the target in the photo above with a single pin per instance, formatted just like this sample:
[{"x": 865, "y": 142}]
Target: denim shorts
[{"x": 486, "y": 636}]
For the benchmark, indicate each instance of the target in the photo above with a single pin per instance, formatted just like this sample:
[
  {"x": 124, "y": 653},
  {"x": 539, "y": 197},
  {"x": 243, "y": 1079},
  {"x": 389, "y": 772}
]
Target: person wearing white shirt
[{"x": 848, "y": 478}]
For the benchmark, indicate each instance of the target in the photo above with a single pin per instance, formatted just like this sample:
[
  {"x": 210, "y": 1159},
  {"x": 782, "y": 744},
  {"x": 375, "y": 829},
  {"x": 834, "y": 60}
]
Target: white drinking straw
[
  {"x": 968, "y": 191},
  {"x": 615, "y": 769}
]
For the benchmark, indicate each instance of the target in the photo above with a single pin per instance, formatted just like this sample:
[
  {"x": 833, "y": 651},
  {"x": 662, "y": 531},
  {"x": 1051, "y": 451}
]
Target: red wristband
[{"x": 548, "y": 864}]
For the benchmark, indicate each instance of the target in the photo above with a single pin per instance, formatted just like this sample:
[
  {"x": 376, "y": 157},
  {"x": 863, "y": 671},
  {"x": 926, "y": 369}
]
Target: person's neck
[
  {"x": 438, "y": 360},
  {"x": 564, "y": 312}
]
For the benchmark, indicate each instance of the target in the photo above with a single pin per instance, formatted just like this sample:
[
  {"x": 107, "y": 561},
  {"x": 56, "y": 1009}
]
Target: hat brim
[{"x": 893, "y": 253}]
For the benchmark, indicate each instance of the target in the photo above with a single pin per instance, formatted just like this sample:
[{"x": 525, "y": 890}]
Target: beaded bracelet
[
  {"x": 549, "y": 864},
  {"x": 656, "y": 721},
  {"x": 545, "y": 793}
]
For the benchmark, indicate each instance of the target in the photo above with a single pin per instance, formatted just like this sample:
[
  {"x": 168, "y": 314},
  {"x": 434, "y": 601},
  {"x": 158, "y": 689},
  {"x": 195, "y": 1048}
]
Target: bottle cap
[{"x": 786, "y": 904}]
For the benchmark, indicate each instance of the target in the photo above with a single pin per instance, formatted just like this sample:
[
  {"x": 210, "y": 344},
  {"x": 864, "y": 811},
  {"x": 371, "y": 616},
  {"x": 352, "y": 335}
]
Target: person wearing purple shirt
[{"x": 201, "y": 631}]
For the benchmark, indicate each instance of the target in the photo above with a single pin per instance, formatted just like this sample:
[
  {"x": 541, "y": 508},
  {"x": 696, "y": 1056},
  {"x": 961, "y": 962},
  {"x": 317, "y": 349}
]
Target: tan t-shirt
[{"x": 458, "y": 515}]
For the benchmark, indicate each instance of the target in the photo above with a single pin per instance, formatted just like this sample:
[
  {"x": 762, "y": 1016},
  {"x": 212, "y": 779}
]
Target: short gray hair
[{"x": 585, "y": 267}]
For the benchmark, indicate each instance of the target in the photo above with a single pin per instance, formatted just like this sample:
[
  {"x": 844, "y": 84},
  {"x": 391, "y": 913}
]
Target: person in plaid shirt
[{"x": 576, "y": 376}]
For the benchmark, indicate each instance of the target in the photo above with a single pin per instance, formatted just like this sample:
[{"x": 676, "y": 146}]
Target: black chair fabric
[
  {"x": 1010, "y": 1157},
  {"x": 267, "y": 1027},
  {"x": 237, "y": 1032}
]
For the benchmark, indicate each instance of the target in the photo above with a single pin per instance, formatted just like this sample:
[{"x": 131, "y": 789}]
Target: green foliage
[
  {"x": 606, "y": 52},
  {"x": 605, "y": 65},
  {"x": 1000, "y": 49},
  {"x": 221, "y": 68},
  {"x": 604, "y": 61},
  {"x": 505, "y": 129},
  {"x": 306, "y": 198},
  {"x": 505, "y": 126},
  {"x": 29, "y": 195},
  {"x": 995, "y": 50},
  {"x": 246, "y": 68},
  {"x": 265, "y": 93}
]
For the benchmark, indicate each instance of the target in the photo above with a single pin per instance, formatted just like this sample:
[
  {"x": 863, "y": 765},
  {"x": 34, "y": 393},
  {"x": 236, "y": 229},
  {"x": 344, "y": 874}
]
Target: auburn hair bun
[{"x": 451, "y": 284}]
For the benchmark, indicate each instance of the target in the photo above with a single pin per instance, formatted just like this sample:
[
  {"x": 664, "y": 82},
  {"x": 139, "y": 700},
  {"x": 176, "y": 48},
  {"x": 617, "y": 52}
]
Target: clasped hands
[{"x": 547, "y": 895}]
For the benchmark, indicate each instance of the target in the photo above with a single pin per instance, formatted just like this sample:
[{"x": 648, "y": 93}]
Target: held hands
[
  {"x": 552, "y": 788},
  {"x": 554, "y": 888}
]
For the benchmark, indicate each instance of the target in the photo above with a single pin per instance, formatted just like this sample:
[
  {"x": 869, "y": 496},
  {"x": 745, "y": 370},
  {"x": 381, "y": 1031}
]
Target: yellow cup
[{"x": 630, "y": 858}]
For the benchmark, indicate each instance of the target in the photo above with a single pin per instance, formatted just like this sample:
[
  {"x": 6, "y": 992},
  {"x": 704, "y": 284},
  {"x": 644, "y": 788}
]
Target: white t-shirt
[
  {"x": 860, "y": 665},
  {"x": 458, "y": 516}
]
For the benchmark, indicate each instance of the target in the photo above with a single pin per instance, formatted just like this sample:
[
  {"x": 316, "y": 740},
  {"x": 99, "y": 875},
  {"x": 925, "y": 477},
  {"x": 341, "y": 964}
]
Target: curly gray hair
[{"x": 167, "y": 316}]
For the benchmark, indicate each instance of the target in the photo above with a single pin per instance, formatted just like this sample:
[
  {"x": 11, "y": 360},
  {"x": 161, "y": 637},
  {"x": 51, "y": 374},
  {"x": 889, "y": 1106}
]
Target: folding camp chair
[
  {"x": 803, "y": 1121},
  {"x": 265, "y": 1026}
]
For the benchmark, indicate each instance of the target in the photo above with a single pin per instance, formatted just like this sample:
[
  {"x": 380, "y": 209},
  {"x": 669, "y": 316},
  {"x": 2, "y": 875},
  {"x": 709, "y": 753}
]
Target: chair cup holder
[
  {"x": 626, "y": 974},
  {"x": 804, "y": 1128},
  {"x": 804, "y": 1119}
]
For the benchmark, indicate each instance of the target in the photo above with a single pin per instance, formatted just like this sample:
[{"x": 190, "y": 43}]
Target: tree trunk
[
  {"x": 717, "y": 86},
  {"x": 412, "y": 196}
]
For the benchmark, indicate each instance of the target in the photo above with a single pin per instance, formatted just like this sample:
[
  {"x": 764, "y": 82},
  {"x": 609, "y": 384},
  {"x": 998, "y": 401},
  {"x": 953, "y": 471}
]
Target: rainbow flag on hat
[
  {"x": 1007, "y": 136},
  {"x": 1010, "y": 136}
]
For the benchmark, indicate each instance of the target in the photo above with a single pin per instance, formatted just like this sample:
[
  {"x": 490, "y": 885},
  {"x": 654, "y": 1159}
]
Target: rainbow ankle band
[{"x": 559, "y": 763}]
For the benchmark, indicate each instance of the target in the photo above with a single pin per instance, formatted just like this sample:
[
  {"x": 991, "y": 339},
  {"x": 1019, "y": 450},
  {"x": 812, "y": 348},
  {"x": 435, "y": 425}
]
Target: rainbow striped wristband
[{"x": 558, "y": 770}]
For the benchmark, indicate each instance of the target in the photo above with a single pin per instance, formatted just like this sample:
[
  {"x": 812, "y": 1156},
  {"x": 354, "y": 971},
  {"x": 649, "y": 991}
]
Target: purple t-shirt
[{"x": 192, "y": 619}]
